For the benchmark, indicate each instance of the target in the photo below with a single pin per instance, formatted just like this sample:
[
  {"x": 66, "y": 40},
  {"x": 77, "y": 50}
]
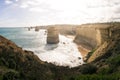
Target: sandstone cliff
[
  {"x": 92, "y": 35},
  {"x": 109, "y": 46}
]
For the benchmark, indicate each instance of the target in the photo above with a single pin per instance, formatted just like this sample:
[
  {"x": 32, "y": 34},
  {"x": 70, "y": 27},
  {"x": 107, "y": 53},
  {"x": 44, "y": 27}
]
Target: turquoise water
[{"x": 22, "y": 37}]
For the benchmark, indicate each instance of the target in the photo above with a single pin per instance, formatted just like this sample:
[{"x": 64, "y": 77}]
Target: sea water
[{"x": 63, "y": 54}]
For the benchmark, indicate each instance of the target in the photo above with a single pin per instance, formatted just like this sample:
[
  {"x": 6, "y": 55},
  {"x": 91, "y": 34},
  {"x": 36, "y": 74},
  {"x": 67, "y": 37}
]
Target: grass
[
  {"x": 1, "y": 77},
  {"x": 94, "y": 77}
]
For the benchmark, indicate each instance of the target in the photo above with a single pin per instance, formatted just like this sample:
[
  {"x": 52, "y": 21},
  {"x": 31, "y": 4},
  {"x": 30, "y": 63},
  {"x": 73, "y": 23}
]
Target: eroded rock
[{"x": 52, "y": 35}]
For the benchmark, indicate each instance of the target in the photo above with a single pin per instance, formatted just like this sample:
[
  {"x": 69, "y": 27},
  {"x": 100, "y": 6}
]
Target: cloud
[
  {"x": 8, "y": 1},
  {"x": 67, "y": 11}
]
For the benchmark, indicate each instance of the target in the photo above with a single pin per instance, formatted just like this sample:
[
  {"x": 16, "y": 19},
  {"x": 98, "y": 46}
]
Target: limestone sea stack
[
  {"x": 36, "y": 29},
  {"x": 52, "y": 35}
]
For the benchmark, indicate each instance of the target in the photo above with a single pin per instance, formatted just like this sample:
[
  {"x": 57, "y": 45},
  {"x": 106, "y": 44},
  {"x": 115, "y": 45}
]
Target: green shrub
[
  {"x": 12, "y": 64},
  {"x": 105, "y": 70},
  {"x": 114, "y": 60},
  {"x": 1, "y": 78},
  {"x": 11, "y": 75},
  {"x": 3, "y": 61},
  {"x": 88, "y": 69},
  {"x": 97, "y": 77}
]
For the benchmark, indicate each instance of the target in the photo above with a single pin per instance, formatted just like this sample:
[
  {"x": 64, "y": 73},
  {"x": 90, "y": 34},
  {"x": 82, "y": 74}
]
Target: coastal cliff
[
  {"x": 92, "y": 35},
  {"x": 110, "y": 46},
  {"x": 98, "y": 38}
]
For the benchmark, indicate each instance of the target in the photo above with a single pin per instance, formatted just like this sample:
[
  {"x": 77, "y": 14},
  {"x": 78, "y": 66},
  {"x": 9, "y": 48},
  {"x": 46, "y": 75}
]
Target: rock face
[
  {"x": 52, "y": 35},
  {"x": 109, "y": 47},
  {"x": 92, "y": 35}
]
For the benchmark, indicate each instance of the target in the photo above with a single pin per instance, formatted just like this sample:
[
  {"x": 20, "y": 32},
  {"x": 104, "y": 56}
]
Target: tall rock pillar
[{"x": 52, "y": 35}]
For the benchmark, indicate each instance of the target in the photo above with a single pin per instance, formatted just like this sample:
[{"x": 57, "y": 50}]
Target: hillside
[{"x": 18, "y": 64}]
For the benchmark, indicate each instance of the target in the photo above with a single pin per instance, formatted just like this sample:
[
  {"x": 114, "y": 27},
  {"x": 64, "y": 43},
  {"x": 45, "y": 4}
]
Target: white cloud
[
  {"x": 69, "y": 11},
  {"x": 23, "y": 5},
  {"x": 8, "y": 2}
]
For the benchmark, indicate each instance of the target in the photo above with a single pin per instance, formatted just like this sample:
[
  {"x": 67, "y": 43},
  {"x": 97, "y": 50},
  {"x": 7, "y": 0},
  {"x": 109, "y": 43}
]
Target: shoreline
[{"x": 83, "y": 51}]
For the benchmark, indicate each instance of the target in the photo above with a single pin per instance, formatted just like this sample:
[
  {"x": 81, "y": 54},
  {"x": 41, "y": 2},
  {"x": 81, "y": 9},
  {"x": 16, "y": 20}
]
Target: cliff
[
  {"x": 110, "y": 46},
  {"x": 91, "y": 36},
  {"x": 67, "y": 29}
]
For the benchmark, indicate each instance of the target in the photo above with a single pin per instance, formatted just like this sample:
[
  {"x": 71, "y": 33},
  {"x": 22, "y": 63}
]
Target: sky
[{"x": 25, "y": 13}]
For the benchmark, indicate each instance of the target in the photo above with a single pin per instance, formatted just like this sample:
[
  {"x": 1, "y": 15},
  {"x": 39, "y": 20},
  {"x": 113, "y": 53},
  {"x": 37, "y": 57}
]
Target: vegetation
[{"x": 95, "y": 77}]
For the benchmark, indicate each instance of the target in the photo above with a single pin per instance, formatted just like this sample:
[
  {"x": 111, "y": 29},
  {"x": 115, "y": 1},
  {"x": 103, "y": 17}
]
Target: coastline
[{"x": 83, "y": 51}]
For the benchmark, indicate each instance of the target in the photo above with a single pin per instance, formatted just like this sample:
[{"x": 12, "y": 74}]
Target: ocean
[{"x": 60, "y": 54}]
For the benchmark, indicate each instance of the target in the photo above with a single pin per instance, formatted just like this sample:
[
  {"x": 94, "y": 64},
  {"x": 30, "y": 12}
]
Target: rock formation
[
  {"x": 29, "y": 29},
  {"x": 37, "y": 29},
  {"x": 52, "y": 35}
]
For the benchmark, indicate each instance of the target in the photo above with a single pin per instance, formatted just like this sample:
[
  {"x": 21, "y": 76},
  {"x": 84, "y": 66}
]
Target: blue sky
[{"x": 20, "y": 13}]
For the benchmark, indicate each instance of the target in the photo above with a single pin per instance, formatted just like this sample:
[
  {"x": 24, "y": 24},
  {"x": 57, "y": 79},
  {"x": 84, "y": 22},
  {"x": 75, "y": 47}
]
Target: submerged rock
[{"x": 52, "y": 35}]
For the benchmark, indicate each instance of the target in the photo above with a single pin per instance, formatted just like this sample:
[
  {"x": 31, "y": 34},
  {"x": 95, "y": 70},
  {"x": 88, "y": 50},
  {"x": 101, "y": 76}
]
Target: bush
[
  {"x": 105, "y": 70},
  {"x": 11, "y": 75},
  {"x": 88, "y": 69},
  {"x": 97, "y": 77},
  {"x": 3, "y": 62},
  {"x": 114, "y": 60},
  {"x": 12, "y": 64},
  {"x": 1, "y": 78}
]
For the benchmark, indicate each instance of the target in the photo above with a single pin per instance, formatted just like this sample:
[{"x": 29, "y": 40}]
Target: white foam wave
[{"x": 63, "y": 54}]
